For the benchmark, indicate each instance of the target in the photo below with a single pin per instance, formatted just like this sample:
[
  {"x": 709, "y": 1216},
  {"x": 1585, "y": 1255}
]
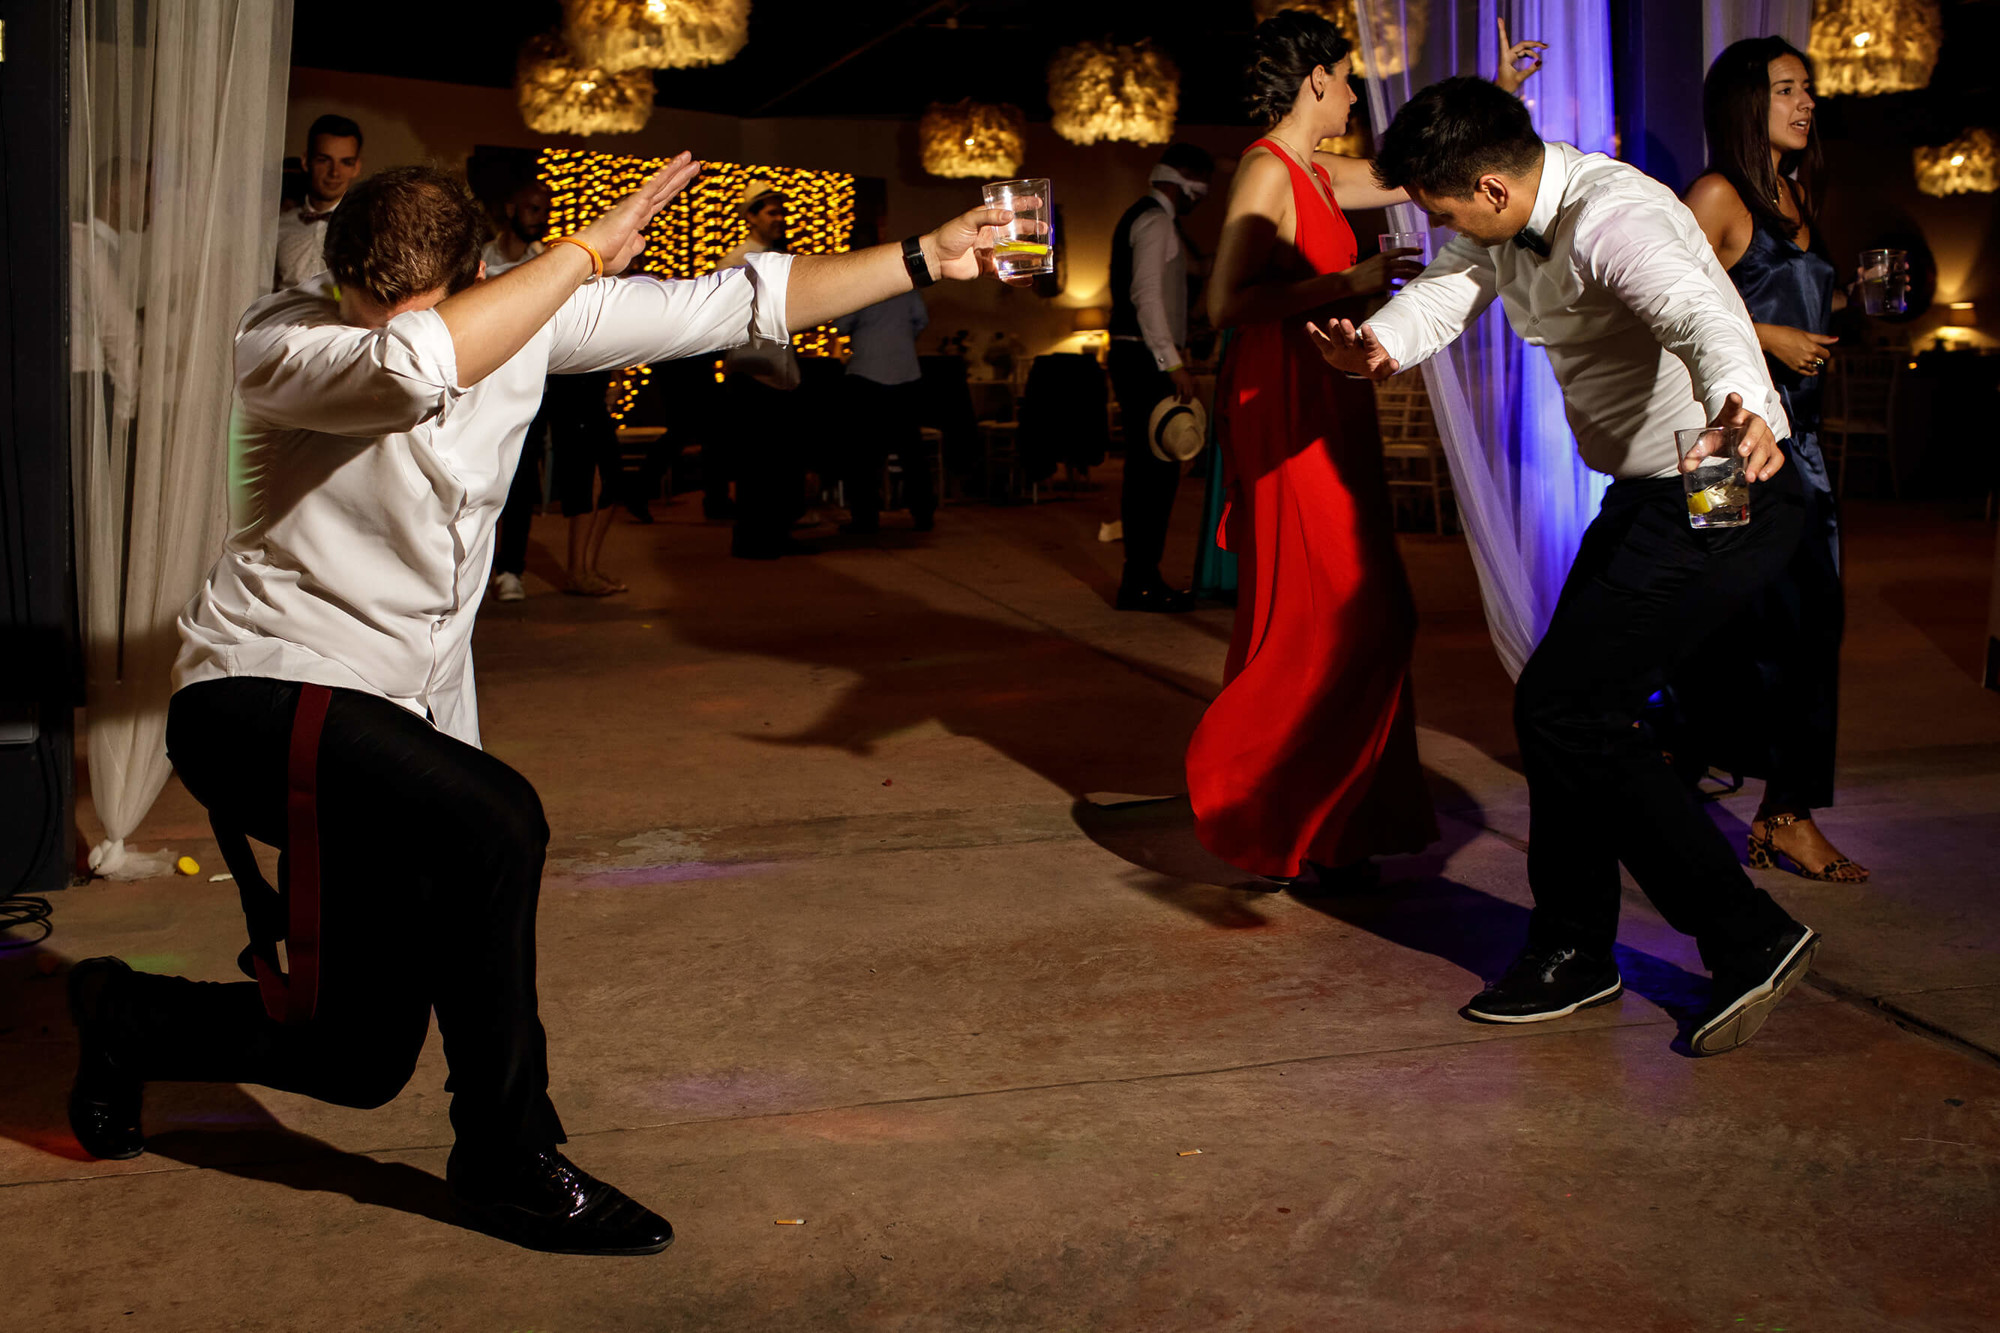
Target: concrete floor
[{"x": 851, "y": 918}]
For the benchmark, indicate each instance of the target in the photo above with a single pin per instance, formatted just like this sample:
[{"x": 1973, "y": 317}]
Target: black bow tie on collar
[{"x": 1530, "y": 239}]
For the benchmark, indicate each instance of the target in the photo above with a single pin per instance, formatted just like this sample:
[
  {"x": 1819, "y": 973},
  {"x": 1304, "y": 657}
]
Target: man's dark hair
[
  {"x": 1736, "y": 112},
  {"x": 1188, "y": 159},
  {"x": 1452, "y": 133},
  {"x": 340, "y": 127},
  {"x": 403, "y": 232},
  {"x": 1284, "y": 50}
]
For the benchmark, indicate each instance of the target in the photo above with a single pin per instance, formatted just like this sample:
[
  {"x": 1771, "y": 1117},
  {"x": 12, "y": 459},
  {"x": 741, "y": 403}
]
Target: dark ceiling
[{"x": 858, "y": 58}]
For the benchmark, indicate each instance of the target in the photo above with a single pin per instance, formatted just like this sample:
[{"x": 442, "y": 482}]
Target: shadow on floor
[{"x": 213, "y": 1126}]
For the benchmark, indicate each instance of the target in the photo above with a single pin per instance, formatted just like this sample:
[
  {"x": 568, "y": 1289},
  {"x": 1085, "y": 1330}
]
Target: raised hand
[
  {"x": 1354, "y": 351},
  {"x": 620, "y": 235},
  {"x": 964, "y": 245},
  {"x": 1762, "y": 458},
  {"x": 1804, "y": 352},
  {"x": 1380, "y": 272},
  {"x": 1511, "y": 76}
]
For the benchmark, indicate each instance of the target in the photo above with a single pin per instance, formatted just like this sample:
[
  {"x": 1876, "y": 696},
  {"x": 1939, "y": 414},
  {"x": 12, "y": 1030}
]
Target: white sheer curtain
[
  {"x": 1524, "y": 495},
  {"x": 1726, "y": 21},
  {"x": 177, "y": 112}
]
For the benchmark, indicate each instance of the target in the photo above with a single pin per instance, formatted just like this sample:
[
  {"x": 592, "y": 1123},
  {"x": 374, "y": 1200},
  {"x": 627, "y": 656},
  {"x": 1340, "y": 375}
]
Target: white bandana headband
[{"x": 1166, "y": 175}]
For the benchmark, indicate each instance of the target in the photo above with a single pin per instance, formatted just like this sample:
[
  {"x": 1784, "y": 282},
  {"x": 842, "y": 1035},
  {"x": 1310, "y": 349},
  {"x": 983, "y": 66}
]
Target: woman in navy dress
[{"x": 1758, "y": 205}]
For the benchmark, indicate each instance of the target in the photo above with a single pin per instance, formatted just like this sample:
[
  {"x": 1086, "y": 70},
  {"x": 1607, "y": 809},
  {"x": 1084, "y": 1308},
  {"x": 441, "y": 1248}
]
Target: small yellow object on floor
[
  {"x": 187, "y": 865},
  {"x": 1191, "y": 1152},
  {"x": 788, "y": 1221}
]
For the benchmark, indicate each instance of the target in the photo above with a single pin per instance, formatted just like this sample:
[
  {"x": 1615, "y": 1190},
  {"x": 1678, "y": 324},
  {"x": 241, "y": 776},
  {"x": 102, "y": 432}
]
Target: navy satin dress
[{"x": 1783, "y": 284}]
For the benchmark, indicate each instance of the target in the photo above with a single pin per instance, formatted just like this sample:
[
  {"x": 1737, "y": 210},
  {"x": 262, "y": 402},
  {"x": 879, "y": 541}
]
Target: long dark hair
[
  {"x": 1736, "y": 112},
  {"x": 1283, "y": 52}
]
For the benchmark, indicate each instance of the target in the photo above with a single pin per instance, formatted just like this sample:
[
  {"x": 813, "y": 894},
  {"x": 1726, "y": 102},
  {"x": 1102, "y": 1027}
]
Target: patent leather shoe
[
  {"x": 541, "y": 1200},
  {"x": 105, "y": 1101}
]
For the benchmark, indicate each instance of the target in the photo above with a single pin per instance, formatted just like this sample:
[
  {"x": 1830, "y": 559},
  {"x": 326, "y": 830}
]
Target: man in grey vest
[{"x": 1149, "y": 300}]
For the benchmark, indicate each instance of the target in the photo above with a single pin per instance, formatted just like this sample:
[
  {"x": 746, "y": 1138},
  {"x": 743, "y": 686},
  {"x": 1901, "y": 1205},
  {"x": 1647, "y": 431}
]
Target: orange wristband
[{"x": 596, "y": 259}]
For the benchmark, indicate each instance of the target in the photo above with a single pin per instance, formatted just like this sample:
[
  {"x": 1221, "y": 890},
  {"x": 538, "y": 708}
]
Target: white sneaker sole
[
  {"x": 1741, "y": 1020},
  {"x": 1605, "y": 996}
]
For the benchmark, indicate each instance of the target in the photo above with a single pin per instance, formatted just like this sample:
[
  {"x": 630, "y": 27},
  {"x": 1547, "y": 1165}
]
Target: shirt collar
[
  {"x": 1549, "y": 194},
  {"x": 1157, "y": 193}
]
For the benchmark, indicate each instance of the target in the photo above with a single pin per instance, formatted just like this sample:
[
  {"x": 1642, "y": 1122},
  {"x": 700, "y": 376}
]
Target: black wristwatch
[{"x": 914, "y": 261}]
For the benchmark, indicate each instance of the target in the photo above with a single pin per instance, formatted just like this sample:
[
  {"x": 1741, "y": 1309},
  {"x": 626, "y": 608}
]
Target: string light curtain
[
  {"x": 1101, "y": 91},
  {"x": 1397, "y": 28},
  {"x": 1525, "y": 495},
  {"x": 558, "y": 94},
  {"x": 1969, "y": 164},
  {"x": 972, "y": 139},
  {"x": 1868, "y": 47},
  {"x": 703, "y": 222},
  {"x": 618, "y": 36}
]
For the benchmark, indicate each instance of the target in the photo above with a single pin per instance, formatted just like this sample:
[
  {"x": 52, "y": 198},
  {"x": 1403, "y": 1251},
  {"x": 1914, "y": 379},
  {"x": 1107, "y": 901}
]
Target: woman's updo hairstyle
[{"x": 1283, "y": 52}]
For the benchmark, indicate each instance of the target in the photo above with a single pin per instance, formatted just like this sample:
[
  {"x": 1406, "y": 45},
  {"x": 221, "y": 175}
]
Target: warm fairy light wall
[{"x": 704, "y": 222}]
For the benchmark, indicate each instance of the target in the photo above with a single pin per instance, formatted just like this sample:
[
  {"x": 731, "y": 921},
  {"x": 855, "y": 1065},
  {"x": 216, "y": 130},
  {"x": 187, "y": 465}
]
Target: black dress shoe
[
  {"x": 1745, "y": 991},
  {"x": 1156, "y": 597},
  {"x": 105, "y": 1101},
  {"x": 543, "y": 1201},
  {"x": 1544, "y": 984}
]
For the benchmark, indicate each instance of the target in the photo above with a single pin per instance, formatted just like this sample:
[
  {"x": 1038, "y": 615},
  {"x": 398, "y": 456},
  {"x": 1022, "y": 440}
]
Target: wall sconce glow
[
  {"x": 1967, "y": 165},
  {"x": 618, "y": 36},
  {"x": 1398, "y": 28},
  {"x": 558, "y": 95},
  {"x": 1868, "y": 47},
  {"x": 1101, "y": 91},
  {"x": 972, "y": 139}
]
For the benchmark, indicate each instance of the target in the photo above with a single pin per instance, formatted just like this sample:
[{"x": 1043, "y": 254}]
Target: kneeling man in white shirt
[
  {"x": 1606, "y": 269},
  {"x": 324, "y": 699}
]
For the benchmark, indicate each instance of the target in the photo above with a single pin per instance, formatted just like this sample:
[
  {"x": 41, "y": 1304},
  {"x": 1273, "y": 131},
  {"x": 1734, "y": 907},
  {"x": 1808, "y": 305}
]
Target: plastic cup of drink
[
  {"x": 1712, "y": 475},
  {"x": 1028, "y": 246},
  {"x": 1885, "y": 281},
  {"x": 1420, "y": 241}
]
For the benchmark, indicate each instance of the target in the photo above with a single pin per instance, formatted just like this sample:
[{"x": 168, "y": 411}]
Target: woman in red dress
[{"x": 1306, "y": 764}]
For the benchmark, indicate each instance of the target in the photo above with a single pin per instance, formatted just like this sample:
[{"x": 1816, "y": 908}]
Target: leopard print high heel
[{"x": 1765, "y": 855}]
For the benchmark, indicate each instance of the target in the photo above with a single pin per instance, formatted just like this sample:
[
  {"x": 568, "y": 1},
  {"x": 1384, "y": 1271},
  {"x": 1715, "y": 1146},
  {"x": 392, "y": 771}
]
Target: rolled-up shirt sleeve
[
  {"x": 628, "y": 322},
  {"x": 341, "y": 380},
  {"x": 1646, "y": 261},
  {"x": 1438, "y": 304}
]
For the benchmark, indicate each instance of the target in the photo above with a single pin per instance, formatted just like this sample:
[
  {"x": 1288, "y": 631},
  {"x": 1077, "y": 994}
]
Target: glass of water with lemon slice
[
  {"x": 1718, "y": 493},
  {"x": 1028, "y": 247}
]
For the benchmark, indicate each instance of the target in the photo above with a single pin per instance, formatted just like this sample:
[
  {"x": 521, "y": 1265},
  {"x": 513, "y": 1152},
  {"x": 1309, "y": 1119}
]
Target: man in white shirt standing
[
  {"x": 1148, "y": 356},
  {"x": 1608, "y": 271},
  {"x": 333, "y": 161},
  {"x": 324, "y": 699},
  {"x": 762, "y": 415}
]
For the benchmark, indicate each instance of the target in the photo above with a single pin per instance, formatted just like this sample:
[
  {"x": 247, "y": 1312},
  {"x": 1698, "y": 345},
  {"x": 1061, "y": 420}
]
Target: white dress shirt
[
  {"x": 1159, "y": 283},
  {"x": 365, "y": 483},
  {"x": 496, "y": 259},
  {"x": 301, "y": 247},
  {"x": 771, "y": 366},
  {"x": 1644, "y": 330},
  {"x": 103, "y": 324}
]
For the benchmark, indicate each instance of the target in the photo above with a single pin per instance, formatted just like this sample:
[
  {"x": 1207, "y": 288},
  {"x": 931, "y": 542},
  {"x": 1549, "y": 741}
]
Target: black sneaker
[
  {"x": 1746, "y": 990},
  {"x": 544, "y": 1201},
  {"x": 105, "y": 1100},
  {"x": 1544, "y": 984}
]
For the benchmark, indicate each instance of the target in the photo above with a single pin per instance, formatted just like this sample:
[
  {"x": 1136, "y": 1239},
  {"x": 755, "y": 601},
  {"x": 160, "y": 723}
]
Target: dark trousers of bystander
[
  {"x": 586, "y": 444},
  {"x": 1645, "y": 590},
  {"x": 430, "y": 868},
  {"x": 769, "y": 465},
  {"x": 1146, "y": 498},
  {"x": 510, "y": 552},
  {"x": 882, "y": 419}
]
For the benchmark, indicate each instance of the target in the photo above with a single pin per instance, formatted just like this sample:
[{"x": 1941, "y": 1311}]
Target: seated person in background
[{"x": 324, "y": 698}]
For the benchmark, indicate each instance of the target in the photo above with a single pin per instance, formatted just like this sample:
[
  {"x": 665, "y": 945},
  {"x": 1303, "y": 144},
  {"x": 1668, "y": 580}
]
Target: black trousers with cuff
[
  {"x": 1645, "y": 591},
  {"x": 1146, "y": 497},
  {"x": 882, "y": 419},
  {"x": 430, "y": 868}
]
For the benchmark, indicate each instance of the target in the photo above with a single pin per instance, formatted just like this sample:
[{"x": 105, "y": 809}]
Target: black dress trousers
[
  {"x": 1146, "y": 498},
  {"x": 1645, "y": 591},
  {"x": 430, "y": 868}
]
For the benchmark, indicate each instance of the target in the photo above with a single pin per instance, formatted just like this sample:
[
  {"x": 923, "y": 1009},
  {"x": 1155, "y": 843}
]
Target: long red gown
[{"x": 1310, "y": 751}]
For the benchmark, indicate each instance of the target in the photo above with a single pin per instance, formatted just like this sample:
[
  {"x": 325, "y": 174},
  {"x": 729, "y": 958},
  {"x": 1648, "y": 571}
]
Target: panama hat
[{"x": 1177, "y": 430}]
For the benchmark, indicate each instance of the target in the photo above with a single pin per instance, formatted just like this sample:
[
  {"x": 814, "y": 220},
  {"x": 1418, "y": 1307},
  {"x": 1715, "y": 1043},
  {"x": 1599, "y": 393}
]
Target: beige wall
[{"x": 408, "y": 121}]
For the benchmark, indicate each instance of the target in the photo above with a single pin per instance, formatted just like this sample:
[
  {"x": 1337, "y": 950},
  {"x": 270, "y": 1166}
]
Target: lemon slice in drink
[
  {"x": 1700, "y": 503},
  {"x": 1020, "y": 248}
]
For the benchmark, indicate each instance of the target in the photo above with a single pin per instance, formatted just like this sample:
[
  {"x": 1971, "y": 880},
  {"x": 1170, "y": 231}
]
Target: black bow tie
[
  {"x": 307, "y": 216},
  {"x": 1530, "y": 239}
]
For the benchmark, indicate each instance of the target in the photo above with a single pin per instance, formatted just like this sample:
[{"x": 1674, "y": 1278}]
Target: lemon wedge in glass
[{"x": 1700, "y": 503}]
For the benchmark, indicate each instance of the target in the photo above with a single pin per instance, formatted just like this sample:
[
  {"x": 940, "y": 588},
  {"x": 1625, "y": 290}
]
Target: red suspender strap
[{"x": 295, "y": 1000}]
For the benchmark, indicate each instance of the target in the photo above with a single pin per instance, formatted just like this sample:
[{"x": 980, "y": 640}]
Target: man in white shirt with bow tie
[
  {"x": 323, "y": 695},
  {"x": 333, "y": 162},
  {"x": 1608, "y": 271}
]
